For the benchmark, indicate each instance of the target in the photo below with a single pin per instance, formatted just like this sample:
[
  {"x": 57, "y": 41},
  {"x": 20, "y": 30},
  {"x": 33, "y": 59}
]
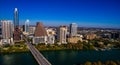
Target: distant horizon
[{"x": 86, "y": 13}]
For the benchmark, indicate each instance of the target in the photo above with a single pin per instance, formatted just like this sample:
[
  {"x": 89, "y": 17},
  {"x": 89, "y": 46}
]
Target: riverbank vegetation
[
  {"x": 101, "y": 63},
  {"x": 90, "y": 45}
]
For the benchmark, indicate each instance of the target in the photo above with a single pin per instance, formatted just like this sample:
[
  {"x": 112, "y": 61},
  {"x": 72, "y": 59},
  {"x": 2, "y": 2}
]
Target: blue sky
[{"x": 86, "y": 13}]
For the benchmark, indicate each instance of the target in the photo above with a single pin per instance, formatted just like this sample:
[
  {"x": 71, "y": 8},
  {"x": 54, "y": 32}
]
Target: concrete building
[
  {"x": 73, "y": 29},
  {"x": 51, "y": 36},
  {"x": 40, "y": 35},
  {"x": 31, "y": 29},
  {"x": 75, "y": 39},
  {"x": 91, "y": 36},
  {"x": 62, "y": 32},
  {"x": 7, "y": 31}
]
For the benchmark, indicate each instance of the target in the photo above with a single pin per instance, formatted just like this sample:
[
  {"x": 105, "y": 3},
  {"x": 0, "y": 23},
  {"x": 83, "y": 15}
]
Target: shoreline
[{"x": 54, "y": 50}]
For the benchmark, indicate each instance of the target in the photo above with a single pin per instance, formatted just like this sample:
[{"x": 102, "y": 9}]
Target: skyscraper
[
  {"x": 17, "y": 35},
  {"x": 27, "y": 26},
  {"x": 73, "y": 29},
  {"x": 16, "y": 18},
  {"x": 7, "y": 29},
  {"x": 62, "y": 32},
  {"x": 17, "y": 31},
  {"x": 40, "y": 35},
  {"x": 51, "y": 36}
]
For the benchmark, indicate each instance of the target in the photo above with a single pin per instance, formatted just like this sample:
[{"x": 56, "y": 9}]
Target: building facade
[
  {"x": 27, "y": 26},
  {"x": 40, "y": 34},
  {"x": 31, "y": 29},
  {"x": 73, "y": 29},
  {"x": 62, "y": 32},
  {"x": 7, "y": 31},
  {"x": 17, "y": 30},
  {"x": 51, "y": 36},
  {"x": 16, "y": 18},
  {"x": 75, "y": 39}
]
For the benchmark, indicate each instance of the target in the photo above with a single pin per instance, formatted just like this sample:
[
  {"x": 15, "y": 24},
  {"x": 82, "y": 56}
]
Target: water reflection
[{"x": 8, "y": 59}]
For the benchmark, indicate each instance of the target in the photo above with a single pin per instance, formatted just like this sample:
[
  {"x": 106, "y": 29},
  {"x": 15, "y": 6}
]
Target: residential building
[
  {"x": 91, "y": 36},
  {"x": 7, "y": 31},
  {"x": 62, "y": 32},
  {"x": 51, "y": 36},
  {"x": 75, "y": 39},
  {"x": 31, "y": 29}
]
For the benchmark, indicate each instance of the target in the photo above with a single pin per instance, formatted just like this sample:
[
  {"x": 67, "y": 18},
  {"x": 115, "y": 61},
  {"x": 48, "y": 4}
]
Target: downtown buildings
[
  {"x": 73, "y": 29},
  {"x": 16, "y": 18},
  {"x": 9, "y": 31},
  {"x": 27, "y": 26},
  {"x": 17, "y": 31},
  {"x": 62, "y": 34},
  {"x": 6, "y": 32},
  {"x": 40, "y": 34}
]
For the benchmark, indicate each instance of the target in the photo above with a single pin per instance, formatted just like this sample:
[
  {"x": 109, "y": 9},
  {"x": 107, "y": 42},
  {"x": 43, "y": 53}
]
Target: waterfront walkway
[{"x": 37, "y": 55}]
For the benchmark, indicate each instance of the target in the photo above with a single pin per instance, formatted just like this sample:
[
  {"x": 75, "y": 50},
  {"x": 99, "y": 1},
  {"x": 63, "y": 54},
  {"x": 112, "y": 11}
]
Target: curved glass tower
[{"x": 16, "y": 19}]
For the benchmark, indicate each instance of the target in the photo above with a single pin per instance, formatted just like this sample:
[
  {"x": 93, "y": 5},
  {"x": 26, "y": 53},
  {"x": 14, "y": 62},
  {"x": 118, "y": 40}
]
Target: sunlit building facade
[
  {"x": 40, "y": 34},
  {"x": 27, "y": 25},
  {"x": 7, "y": 31},
  {"x": 62, "y": 32}
]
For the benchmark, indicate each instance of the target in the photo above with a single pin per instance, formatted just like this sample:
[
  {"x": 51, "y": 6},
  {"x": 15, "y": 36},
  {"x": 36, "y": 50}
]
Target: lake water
[{"x": 64, "y": 57}]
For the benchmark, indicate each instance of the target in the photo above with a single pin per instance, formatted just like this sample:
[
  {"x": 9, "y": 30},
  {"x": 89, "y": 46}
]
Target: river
[{"x": 63, "y": 57}]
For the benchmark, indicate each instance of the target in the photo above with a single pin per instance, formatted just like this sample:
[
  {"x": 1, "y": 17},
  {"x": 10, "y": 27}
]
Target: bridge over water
[{"x": 37, "y": 55}]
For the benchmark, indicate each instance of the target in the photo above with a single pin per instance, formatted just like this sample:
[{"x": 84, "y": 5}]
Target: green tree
[{"x": 88, "y": 63}]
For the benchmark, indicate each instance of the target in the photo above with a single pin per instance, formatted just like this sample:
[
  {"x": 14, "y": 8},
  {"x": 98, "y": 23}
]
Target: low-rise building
[
  {"x": 90, "y": 36},
  {"x": 75, "y": 39},
  {"x": 31, "y": 29}
]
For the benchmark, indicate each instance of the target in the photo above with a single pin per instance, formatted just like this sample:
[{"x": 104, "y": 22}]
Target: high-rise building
[
  {"x": 7, "y": 29},
  {"x": 27, "y": 26},
  {"x": 40, "y": 35},
  {"x": 17, "y": 31},
  {"x": 73, "y": 29},
  {"x": 62, "y": 32},
  {"x": 17, "y": 35},
  {"x": 16, "y": 18},
  {"x": 51, "y": 36}
]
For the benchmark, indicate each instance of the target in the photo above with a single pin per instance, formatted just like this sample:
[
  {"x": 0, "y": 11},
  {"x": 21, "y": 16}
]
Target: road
[{"x": 37, "y": 55}]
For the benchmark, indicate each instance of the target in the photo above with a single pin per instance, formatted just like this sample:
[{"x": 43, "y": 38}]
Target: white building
[
  {"x": 51, "y": 36},
  {"x": 7, "y": 31},
  {"x": 62, "y": 32},
  {"x": 31, "y": 29}
]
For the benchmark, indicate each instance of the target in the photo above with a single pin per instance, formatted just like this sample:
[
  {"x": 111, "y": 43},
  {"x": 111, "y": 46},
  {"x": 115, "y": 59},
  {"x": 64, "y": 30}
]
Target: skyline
[{"x": 94, "y": 13}]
